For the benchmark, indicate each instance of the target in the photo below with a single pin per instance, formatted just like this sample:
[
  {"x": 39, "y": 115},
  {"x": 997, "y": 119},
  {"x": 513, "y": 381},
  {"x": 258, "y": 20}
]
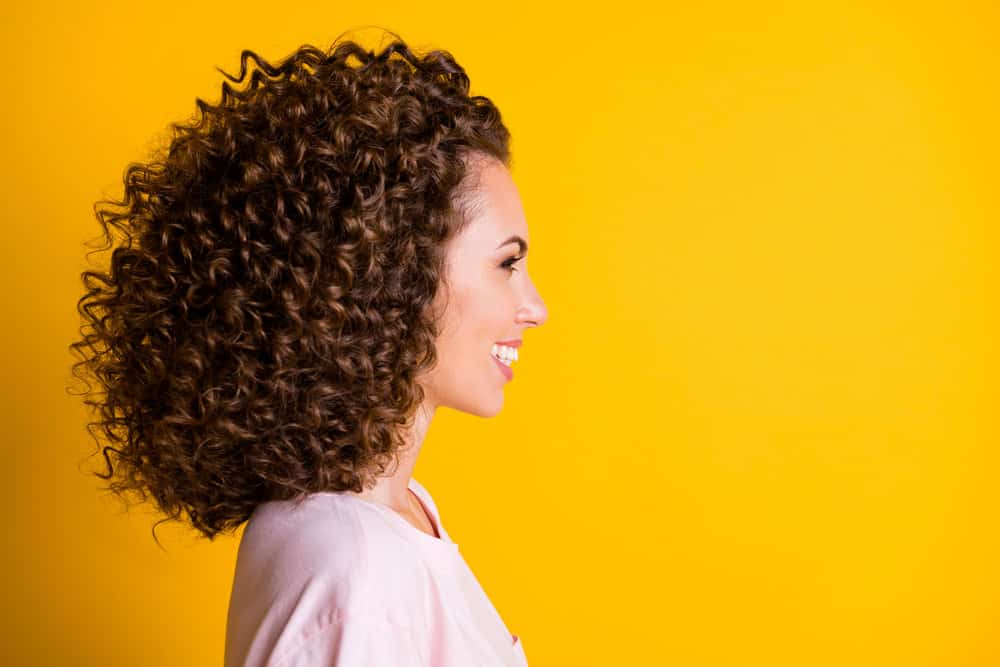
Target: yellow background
[{"x": 760, "y": 425}]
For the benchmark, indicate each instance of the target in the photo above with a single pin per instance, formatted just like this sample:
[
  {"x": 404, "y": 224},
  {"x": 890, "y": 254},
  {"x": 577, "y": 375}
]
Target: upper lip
[{"x": 510, "y": 343}]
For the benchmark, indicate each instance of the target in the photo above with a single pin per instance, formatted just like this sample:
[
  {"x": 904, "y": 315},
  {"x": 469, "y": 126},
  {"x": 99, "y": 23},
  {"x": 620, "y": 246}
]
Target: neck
[{"x": 393, "y": 489}]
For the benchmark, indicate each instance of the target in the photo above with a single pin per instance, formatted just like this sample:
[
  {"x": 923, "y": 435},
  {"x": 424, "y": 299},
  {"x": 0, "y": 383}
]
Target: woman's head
[
  {"x": 488, "y": 298},
  {"x": 276, "y": 308}
]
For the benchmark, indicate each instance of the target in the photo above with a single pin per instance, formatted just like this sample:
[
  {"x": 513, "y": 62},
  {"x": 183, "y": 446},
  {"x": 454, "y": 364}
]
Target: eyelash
[{"x": 509, "y": 264}]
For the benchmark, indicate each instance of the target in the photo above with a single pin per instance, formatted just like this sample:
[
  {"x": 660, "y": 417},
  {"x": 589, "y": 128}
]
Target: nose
[{"x": 533, "y": 309}]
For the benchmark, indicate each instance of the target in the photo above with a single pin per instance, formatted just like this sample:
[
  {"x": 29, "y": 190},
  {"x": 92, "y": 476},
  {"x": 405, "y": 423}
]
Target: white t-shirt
[{"x": 343, "y": 581}]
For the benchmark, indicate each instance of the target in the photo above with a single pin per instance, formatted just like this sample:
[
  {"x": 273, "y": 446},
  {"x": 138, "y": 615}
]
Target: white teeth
[{"x": 504, "y": 354}]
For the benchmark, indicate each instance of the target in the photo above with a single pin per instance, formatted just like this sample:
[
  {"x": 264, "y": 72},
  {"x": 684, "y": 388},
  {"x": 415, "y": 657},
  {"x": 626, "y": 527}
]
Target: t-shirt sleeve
[{"x": 349, "y": 641}]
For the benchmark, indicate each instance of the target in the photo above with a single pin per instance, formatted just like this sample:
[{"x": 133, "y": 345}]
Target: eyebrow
[{"x": 522, "y": 244}]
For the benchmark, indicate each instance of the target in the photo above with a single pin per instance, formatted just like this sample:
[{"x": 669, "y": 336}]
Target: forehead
[{"x": 496, "y": 213}]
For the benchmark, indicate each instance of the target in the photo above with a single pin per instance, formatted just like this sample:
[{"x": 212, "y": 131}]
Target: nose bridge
[{"x": 532, "y": 303}]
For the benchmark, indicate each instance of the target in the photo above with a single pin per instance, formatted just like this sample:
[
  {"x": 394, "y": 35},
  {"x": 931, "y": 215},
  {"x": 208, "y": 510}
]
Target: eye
[{"x": 509, "y": 264}]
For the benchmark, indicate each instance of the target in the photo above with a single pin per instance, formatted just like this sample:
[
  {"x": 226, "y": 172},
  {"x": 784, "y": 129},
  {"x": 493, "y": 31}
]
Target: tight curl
[{"x": 260, "y": 328}]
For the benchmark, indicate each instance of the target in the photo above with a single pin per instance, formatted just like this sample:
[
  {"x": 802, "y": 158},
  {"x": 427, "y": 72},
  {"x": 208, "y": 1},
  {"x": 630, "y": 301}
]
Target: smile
[
  {"x": 503, "y": 357},
  {"x": 503, "y": 354}
]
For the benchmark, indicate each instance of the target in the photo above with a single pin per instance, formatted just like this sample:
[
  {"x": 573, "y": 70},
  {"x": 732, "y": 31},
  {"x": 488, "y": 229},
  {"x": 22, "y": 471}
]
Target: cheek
[
  {"x": 493, "y": 319},
  {"x": 475, "y": 320}
]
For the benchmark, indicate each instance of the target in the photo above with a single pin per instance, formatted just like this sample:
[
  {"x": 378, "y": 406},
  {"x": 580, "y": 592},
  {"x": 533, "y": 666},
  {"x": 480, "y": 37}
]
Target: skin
[{"x": 481, "y": 303}]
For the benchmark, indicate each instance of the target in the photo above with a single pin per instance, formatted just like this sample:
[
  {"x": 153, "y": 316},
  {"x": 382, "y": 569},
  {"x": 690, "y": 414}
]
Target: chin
[{"x": 487, "y": 409}]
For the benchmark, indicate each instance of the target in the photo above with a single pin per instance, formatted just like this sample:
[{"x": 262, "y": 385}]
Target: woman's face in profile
[{"x": 489, "y": 298}]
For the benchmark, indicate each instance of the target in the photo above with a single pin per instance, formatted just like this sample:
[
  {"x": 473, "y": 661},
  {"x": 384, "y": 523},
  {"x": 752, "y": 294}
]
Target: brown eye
[{"x": 510, "y": 262}]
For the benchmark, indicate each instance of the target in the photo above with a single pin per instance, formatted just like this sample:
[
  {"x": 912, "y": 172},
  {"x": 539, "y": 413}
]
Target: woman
[{"x": 318, "y": 264}]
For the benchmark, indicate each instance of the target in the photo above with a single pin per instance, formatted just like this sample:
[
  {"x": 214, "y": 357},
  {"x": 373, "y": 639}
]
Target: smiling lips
[
  {"x": 505, "y": 355},
  {"x": 504, "y": 368}
]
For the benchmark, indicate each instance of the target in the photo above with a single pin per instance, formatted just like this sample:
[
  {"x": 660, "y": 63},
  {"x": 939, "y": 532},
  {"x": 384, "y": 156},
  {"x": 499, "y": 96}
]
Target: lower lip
[{"x": 507, "y": 372}]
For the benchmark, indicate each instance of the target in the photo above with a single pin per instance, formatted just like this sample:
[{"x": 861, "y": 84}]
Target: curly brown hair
[{"x": 261, "y": 326}]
